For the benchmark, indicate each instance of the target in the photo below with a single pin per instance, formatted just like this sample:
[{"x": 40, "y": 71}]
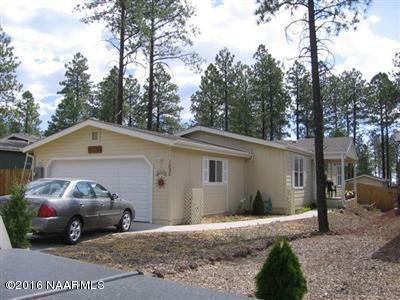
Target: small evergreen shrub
[
  {"x": 17, "y": 217},
  {"x": 281, "y": 277},
  {"x": 258, "y": 205}
]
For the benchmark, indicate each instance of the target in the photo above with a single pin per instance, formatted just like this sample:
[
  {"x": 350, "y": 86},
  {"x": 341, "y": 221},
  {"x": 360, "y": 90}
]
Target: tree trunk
[
  {"x": 297, "y": 109},
  {"x": 226, "y": 108},
  {"x": 158, "y": 115},
  {"x": 323, "y": 224},
  {"x": 388, "y": 169},
  {"x": 151, "y": 72},
  {"x": 383, "y": 162},
  {"x": 354, "y": 117},
  {"x": 120, "y": 91},
  {"x": 263, "y": 123}
]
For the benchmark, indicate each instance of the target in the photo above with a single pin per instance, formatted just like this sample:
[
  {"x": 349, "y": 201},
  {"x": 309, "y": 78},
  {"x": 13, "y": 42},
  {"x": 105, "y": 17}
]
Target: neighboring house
[
  {"x": 158, "y": 171},
  {"x": 11, "y": 155},
  {"x": 368, "y": 180}
]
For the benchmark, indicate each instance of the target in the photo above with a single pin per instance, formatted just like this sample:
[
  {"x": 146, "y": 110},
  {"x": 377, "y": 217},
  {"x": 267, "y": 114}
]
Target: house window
[
  {"x": 95, "y": 135},
  {"x": 215, "y": 171},
  {"x": 339, "y": 179},
  {"x": 298, "y": 171}
]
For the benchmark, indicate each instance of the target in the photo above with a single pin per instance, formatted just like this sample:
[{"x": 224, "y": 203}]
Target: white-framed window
[
  {"x": 215, "y": 171},
  {"x": 94, "y": 135},
  {"x": 298, "y": 172},
  {"x": 339, "y": 180}
]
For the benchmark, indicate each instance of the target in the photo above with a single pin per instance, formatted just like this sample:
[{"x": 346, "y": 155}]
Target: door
[
  {"x": 110, "y": 211},
  {"x": 131, "y": 178},
  {"x": 89, "y": 205}
]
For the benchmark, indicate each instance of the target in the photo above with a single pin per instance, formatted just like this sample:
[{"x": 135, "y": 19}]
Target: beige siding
[
  {"x": 265, "y": 172},
  {"x": 301, "y": 195},
  {"x": 76, "y": 145},
  {"x": 186, "y": 169}
]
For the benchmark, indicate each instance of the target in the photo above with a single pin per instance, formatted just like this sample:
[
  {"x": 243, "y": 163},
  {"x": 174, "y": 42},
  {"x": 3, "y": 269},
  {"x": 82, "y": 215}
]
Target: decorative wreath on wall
[{"x": 161, "y": 178}]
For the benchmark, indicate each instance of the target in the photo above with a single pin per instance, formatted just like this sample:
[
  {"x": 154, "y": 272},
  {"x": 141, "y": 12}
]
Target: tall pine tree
[
  {"x": 206, "y": 102},
  {"x": 76, "y": 89},
  {"x": 166, "y": 111},
  {"x": 271, "y": 98},
  {"x": 27, "y": 112}
]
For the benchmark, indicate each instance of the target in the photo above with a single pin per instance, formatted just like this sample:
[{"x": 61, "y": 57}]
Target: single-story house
[
  {"x": 11, "y": 155},
  {"x": 368, "y": 180},
  {"x": 157, "y": 171}
]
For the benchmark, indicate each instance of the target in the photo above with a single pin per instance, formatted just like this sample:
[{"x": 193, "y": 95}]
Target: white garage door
[{"x": 130, "y": 178}]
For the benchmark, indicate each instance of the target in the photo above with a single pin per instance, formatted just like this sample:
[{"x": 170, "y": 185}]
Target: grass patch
[{"x": 232, "y": 218}]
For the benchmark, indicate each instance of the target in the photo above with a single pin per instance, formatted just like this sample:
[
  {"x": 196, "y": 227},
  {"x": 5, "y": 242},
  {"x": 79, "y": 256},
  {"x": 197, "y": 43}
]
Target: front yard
[{"x": 359, "y": 259}]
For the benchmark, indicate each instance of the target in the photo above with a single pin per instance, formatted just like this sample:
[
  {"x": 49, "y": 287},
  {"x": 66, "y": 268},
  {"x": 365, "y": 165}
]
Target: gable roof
[
  {"x": 241, "y": 137},
  {"x": 148, "y": 135},
  {"x": 23, "y": 137},
  {"x": 333, "y": 146},
  {"x": 16, "y": 142},
  {"x": 369, "y": 176}
]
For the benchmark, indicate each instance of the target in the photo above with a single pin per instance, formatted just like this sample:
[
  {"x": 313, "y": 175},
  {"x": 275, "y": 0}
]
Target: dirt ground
[{"x": 359, "y": 259}]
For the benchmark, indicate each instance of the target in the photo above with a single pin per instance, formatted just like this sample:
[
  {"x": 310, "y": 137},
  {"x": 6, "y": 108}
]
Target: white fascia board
[
  {"x": 93, "y": 123},
  {"x": 232, "y": 135},
  {"x": 212, "y": 149}
]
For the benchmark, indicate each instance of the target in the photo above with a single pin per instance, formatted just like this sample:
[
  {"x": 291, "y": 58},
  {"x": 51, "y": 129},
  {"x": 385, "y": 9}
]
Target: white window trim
[
  {"x": 205, "y": 171},
  {"x": 339, "y": 174},
  {"x": 293, "y": 171}
]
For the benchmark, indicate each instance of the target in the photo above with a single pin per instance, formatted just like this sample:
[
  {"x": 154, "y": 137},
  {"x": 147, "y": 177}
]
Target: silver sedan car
[{"x": 68, "y": 206}]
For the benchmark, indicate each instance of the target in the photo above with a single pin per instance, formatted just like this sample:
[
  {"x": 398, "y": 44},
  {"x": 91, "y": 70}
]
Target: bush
[
  {"x": 17, "y": 217},
  {"x": 258, "y": 205},
  {"x": 281, "y": 276}
]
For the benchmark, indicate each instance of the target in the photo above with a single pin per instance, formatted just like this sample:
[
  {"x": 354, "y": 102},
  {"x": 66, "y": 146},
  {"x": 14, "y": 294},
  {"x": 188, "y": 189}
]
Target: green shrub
[
  {"x": 281, "y": 277},
  {"x": 258, "y": 205},
  {"x": 17, "y": 217}
]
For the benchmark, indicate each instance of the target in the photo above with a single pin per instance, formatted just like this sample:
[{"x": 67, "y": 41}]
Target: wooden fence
[
  {"x": 9, "y": 177},
  {"x": 383, "y": 197}
]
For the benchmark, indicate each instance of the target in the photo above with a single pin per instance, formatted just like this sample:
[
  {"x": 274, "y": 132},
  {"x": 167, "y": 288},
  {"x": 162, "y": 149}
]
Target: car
[{"x": 68, "y": 206}]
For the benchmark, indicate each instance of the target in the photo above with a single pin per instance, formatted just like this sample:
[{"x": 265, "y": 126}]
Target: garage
[{"x": 128, "y": 177}]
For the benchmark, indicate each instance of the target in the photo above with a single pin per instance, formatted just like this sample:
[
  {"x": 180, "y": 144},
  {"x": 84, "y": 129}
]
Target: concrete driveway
[{"x": 47, "y": 276}]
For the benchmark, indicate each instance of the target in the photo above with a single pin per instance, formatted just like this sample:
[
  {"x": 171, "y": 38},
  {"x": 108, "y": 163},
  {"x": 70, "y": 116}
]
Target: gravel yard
[{"x": 358, "y": 260}]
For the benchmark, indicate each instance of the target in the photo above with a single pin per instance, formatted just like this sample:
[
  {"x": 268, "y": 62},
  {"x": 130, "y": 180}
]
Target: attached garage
[
  {"x": 153, "y": 170},
  {"x": 129, "y": 177}
]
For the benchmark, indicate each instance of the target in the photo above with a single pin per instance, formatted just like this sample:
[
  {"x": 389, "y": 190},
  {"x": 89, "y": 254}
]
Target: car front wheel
[
  {"x": 125, "y": 222},
  {"x": 73, "y": 231}
]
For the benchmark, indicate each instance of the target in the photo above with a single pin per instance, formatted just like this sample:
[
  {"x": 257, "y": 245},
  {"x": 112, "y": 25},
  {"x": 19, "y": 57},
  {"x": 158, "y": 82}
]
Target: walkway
[{"x": 146, "y": 227}]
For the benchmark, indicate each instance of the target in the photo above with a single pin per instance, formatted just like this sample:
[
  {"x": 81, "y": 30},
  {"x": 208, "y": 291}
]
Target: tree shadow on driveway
[{"x": 390, "y": 252}]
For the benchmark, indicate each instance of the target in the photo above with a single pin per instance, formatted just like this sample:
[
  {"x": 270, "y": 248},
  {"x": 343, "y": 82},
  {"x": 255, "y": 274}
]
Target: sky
[{"x": 47, "y": 33}]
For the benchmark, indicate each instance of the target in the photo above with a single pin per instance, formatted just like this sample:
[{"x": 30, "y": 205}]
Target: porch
[{"x": 338, "y": 168}]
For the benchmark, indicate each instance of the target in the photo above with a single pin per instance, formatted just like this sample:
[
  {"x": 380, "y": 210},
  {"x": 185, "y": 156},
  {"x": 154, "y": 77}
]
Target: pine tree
[
  {"x": 27, "y": 112},
  {"x": 382, "y": 101},
  {"x": 225, "y": 67},
  {"x": 322, "y": 19},
  {"x": 105, "y": 106},
  {"x": 135, "y": 103},
  {"x": 299, "y": 86},
  {"x": 242, "y": 105},
  {"x": 167, "y": 36},
  {"x": 122, "y": 19},
  {"x": 166, "y": 112},
  {"x": 270, "y": 96},
  {"x": 206, "y": 102},
  {"x": 76, "y": 89},
  {"x": 9, "y": 85}
]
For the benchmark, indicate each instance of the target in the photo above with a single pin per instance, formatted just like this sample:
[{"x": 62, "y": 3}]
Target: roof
[
  {"x": 157, "y": 137},
  {"x": 15, "y": 142},
  {"x": 370, "y": 177},
  {"x": 241, "y": 137},
  {"x": 23, "y": 137}
]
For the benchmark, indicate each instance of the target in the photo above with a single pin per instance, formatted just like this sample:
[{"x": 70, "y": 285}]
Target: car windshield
[{"x": 53, "y": 188}]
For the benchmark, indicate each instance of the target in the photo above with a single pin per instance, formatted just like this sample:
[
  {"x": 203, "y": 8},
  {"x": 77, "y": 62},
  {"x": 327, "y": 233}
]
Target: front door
[{"x": 110, "y": 211}]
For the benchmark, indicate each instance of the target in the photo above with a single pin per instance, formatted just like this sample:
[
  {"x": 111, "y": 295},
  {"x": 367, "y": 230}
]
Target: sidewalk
[{"x": 146, "y": 227}]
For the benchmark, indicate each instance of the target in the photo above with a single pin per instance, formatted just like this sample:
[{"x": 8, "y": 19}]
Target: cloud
[{"x": 46, "y": 34}]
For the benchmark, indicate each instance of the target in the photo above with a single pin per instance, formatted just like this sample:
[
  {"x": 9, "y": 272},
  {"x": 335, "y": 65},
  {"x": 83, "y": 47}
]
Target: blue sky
[{"x": 47, "y": 33}]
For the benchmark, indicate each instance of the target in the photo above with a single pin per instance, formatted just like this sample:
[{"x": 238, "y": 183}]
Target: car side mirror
[{"x": 114, "y": 196}]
